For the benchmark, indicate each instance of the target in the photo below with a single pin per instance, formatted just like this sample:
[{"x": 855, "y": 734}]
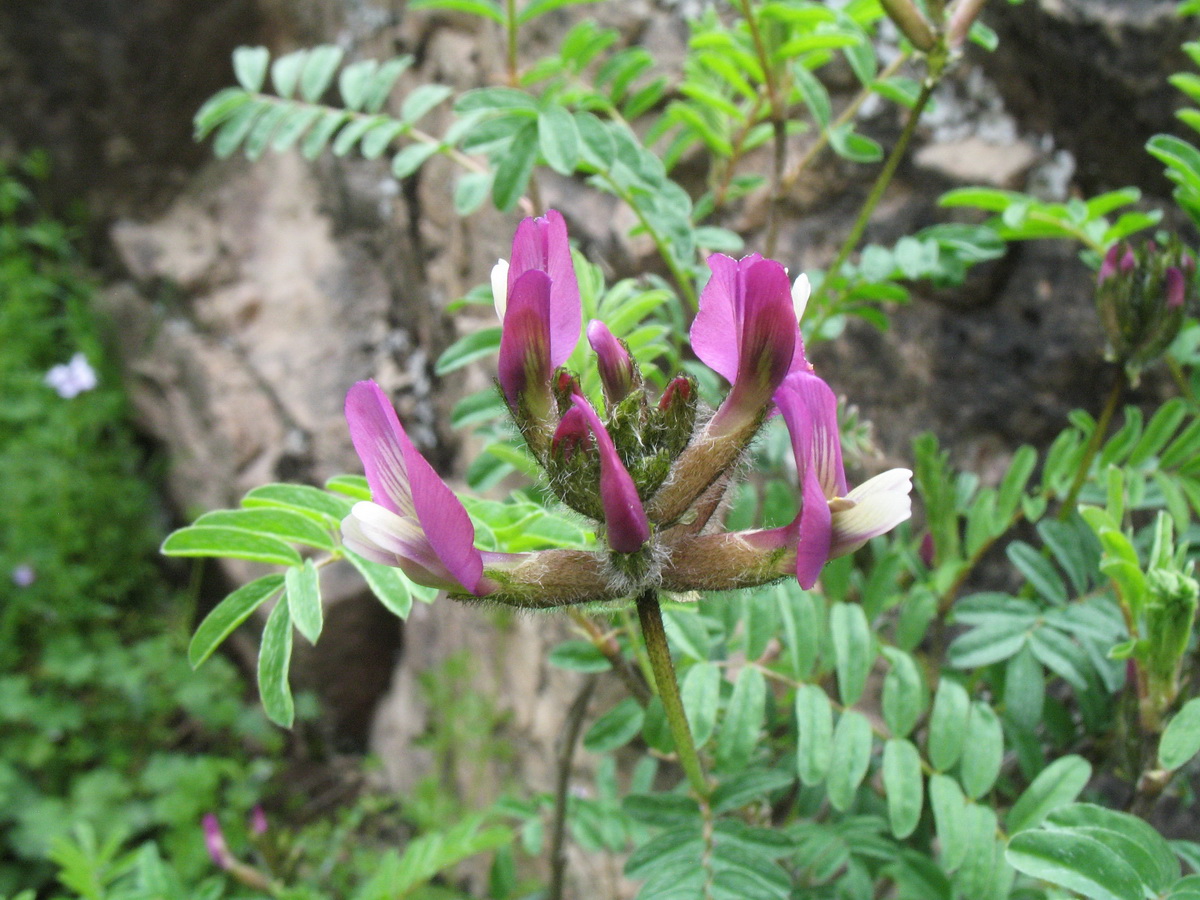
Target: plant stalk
[
  {"x": 778, "y": 127},
  {"x": 877, "y": 190},
  {"x": 650, "y": 616},
  {"x": 566, "y": 757},
  {"x": 1094, "y": 443}
]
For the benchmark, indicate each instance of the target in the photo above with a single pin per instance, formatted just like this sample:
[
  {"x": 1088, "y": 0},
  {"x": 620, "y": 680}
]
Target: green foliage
[
  {"x": 902, "y": 731},
  {"x": 1181, "y": 157},
  {"x": 104, "y": 732},
  {"x": 1022, "y": 217}
]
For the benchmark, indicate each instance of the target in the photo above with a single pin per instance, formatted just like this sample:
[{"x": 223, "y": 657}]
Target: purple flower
[
  {"x": 24, "y": 575},
  {"x": 258, "y": 820},
  {"x": 414, "y": 521},
  {"x": 832, "y": 521},
  {"x": 624, "y": 518},
  {"x": 73, "y": 378},
  {"x": 747, "y": 331},
  {"x": 537, "y": 297},
  {"x": 214, "y": 842}
]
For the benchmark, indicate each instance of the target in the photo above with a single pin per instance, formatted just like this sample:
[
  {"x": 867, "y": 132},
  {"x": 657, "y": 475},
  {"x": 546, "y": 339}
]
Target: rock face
[
  {"x": 248, "y": 297},
  {"x": 1093, "y": 73}
]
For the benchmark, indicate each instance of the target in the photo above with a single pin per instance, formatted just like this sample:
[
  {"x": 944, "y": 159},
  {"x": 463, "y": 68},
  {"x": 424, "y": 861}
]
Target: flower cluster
[
  {"x": 1142, "y": 297},
  {"x": 651, "y": 474}
]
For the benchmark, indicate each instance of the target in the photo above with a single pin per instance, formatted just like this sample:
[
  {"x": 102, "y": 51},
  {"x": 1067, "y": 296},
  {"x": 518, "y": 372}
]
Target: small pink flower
[
  {"x": 537, "y": 296},
  {"x": 832, "y": 521},
  {"x": 214, "y": 842},
  {"x": 258, "y": 820}
]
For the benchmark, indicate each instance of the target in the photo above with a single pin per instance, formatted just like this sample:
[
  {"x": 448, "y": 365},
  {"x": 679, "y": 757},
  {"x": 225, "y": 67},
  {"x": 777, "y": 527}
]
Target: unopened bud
[
  {"x": 1141, "y": 298},
  {"x": 617, "y": 369},
  {"x": 214, "y": 842},
  {"x": 571, "y": 435},
  {"x": 672, "y": 423}
]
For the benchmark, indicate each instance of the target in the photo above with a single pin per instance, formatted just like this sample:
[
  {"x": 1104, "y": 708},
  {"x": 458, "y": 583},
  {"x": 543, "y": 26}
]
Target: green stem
[
  {"x": 877, "y": 190},
  {"x": 845, "y": 116},
  {"x": 510, "y": 29},
  {"x": 778, "y": 127},
  {"x": 1094, "y": 443},
  {"x": 660, "y": 243},
  {"x": 650, "y": 616}
]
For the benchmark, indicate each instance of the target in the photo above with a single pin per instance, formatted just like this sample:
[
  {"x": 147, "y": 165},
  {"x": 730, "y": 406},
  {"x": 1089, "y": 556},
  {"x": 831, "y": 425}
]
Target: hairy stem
[
  {"x": 566, "y": 756},
  {"x": 650, "y": 616},
  {"x": 1094, "y": 443}
]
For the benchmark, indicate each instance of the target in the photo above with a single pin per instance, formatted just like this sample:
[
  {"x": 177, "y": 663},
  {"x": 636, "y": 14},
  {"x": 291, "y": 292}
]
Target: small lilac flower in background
[
  {"x": 24, "y": 575},
  {"x": 73, "y": 378},
  {"x": 1142, "y": 297},
  {"x": 258, "y": 821},
  {"x": 214, "y": 842}
]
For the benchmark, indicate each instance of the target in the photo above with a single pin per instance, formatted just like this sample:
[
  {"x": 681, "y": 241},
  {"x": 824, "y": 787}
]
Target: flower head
[
  {"x": 1142, "y": 296},
  {"x": 413, "y": 520}
]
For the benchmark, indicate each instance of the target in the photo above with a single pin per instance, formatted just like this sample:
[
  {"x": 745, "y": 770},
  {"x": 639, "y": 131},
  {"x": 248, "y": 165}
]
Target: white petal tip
[
  {"x": 500, "y": 286},
  {"x": 801, "y": 289}
]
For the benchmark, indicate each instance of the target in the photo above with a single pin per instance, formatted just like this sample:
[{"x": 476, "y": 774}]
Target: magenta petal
[
  {"x": 403, "y": 482},
  {"x": 769, "y": 329},
  {"x": 1108, "y": 268},
  {"x": 541, "y": 245},
  {"x": 809, "y": 408},
  {"x": 816, "y": 532},
  {"x": 378, "y": 439},
  {"x": 525, "y": 361},
  {"x": 624, "y": 518},
  {"x": 573, "y": 433},
  {"x": 717, "y": 324}
]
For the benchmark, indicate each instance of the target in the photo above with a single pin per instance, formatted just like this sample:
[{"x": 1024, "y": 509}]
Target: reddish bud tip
[
  {"x": 1108, "y": 268},
  {"x": 1176, "y": 288}
]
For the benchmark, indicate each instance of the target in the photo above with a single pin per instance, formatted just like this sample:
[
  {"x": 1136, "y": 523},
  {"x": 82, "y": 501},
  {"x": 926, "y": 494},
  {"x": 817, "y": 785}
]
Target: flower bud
[
  {"x": 624, "y": 519},
  {"x": 214, "y": 842},
  {"x": 1170, "y": 613},
  {"x": 617, "y": 370},
  {"x": 1141, "y": 298},
  {"x": 671, "y": 424}
]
